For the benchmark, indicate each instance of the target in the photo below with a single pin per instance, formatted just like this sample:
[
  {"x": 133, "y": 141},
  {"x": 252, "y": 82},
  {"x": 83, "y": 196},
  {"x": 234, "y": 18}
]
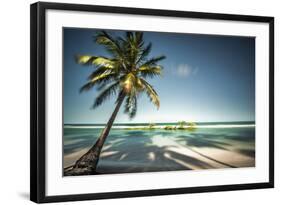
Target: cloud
[{"x": 185, "y": 70}]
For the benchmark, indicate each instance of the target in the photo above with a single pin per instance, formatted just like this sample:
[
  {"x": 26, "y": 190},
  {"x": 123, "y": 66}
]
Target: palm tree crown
[{"x": 124, "y": 72}]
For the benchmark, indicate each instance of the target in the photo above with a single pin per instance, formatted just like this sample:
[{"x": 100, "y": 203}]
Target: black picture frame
[{"x": 38, "y": 101}]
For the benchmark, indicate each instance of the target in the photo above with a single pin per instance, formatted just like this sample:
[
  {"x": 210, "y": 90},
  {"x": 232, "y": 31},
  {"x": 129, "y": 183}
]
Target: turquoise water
[{"x": 134, "y": 150}]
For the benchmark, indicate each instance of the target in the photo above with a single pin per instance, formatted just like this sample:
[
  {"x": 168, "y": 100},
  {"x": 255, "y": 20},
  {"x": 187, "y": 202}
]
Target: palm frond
[
  {"x": 151, "y": 93},
  {"x": 153, "y": 61},
  {"x": 150, "y": 71},
  {"x": 104, "y": 77},
  {"x": 98, "y": 79},
  {"x": 131, "y": 105},
  {"x": 99, "y": 72},
  {"x": 84, "y": 59},
  {"x": 144, "y": 53},
  {"x": 123, "y": 73},
  {"x": 95, "y": 60},
  {"x": 134, "y": 47},
  {"x": 139, "y": 38},
  {"x": 112, "y": 45},
  {"x": 86, "y": 87},
  {"x": 104, "y": 95},
  {"x": 129, "y": 36}
]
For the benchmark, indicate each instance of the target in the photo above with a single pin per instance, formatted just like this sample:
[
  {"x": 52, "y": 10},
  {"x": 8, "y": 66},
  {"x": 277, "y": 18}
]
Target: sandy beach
[{"x": 159, "y": 150}]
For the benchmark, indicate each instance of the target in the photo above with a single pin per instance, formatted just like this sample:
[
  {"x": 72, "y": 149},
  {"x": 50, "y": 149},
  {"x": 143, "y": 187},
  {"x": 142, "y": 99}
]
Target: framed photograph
[{"x": 129, "y": 102}]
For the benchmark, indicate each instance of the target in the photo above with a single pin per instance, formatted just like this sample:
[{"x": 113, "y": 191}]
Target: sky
[{"x": 206, "y": 78}]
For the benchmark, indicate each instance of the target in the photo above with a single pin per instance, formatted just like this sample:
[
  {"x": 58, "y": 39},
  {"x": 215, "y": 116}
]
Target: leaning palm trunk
[
  {"x": 125, "y": 70},
  {"x": 87, "y": 164}
]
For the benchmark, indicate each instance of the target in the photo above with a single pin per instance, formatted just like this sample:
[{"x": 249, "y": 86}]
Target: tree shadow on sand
[
  {"x": 221, "y": 141},
  {"x": 148, "y": 158},
  {"x": 142, "y": 155},
  {"x": 197, "y": 141},
  {"x": 78, "y": 143},
  {"x": 131, "y": 151},
  {"x": 247, "y": 152}
]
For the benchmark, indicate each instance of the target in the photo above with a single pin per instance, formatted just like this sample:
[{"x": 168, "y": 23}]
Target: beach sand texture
[{"x": 127, "y": 151}]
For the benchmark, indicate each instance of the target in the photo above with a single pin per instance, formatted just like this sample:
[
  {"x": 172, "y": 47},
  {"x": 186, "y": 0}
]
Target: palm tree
[
  {"x": 123, "y": 74},
  {"x": 181, "y": 124}
]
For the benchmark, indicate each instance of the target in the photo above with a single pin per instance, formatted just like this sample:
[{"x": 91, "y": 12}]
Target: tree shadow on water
[
  {"x": 198, "y": 141},
  {"x": 246, "y": 139}
]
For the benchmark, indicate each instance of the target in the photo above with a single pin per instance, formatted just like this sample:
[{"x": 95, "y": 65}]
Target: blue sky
[{"x": 205, "y": 78}]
